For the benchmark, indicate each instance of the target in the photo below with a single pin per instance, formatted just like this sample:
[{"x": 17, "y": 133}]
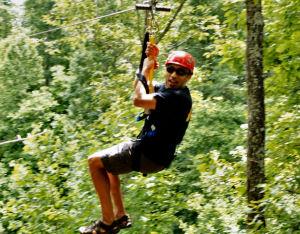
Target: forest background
[{"x": 74, "y": 86}]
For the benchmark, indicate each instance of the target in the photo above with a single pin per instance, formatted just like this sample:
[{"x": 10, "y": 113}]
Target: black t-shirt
[{"x": 165, "y": 126}]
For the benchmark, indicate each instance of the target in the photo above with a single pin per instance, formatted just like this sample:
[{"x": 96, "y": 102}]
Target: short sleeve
[
  {"x": 173, "y": 103},
  {"x": 164, "y": 100}
]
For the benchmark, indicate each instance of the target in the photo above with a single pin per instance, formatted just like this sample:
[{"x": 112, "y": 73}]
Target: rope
[
  {"x": 82, "y": 22},
  {"x": 19, "y": 138}
]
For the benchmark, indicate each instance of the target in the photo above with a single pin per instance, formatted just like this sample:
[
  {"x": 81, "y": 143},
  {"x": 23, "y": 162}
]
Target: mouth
[{"x": 172, "y": 83}]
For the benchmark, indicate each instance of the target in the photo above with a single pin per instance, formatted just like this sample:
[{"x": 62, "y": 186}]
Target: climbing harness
[{"x": 151, "y": 8}]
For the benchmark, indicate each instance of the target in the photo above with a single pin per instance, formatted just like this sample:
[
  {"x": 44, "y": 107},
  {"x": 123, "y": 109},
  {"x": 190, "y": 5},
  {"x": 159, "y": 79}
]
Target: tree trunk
[{"x": 256, "y": 114}]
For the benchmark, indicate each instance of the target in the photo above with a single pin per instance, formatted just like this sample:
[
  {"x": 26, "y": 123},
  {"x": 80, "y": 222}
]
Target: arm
[{"x": 141, "y": 98}]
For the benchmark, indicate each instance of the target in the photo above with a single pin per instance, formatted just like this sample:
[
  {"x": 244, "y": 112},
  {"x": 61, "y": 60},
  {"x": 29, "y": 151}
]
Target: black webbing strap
[
  {"x": 143, "y": 55},
  {"x": 136, "y": 164},
  {"x": 139, "y": 75},
  {"x": 142, "y": 79}
]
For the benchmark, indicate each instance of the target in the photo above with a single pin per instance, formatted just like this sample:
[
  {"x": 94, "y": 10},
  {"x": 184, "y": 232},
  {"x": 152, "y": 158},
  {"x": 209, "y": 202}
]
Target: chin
[{"x": 171, "y": 86}]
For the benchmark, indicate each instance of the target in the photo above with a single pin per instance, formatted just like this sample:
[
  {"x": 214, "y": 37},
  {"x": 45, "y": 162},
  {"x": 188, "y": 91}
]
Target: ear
[{"x": 189, "y": 77}]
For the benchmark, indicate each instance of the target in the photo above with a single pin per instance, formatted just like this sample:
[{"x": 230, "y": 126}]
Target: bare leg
[
  {"x": 115, "y": 189},
  {"x": 102, "y": 185}
]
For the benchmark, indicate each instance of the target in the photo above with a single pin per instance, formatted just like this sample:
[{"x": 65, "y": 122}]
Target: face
[{"x": 176, "y": 76}]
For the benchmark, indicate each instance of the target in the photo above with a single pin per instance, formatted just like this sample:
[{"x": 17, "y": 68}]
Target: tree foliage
[
  {"x": 6, "y": 18},
  {"x": 86, "y": 105}
]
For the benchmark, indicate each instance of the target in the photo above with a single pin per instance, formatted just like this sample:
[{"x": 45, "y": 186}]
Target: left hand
[{"x": 152, "y": 51}]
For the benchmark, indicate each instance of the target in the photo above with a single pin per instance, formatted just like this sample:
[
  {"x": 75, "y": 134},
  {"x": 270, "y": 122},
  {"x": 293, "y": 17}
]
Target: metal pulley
[{"x": 152, "y": 6}]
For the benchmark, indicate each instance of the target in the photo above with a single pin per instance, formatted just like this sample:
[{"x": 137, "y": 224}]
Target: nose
[{"x": 174, "y": 74}]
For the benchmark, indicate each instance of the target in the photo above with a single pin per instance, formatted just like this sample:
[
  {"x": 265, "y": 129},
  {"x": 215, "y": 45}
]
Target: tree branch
[{"x": 167, "y": 28}]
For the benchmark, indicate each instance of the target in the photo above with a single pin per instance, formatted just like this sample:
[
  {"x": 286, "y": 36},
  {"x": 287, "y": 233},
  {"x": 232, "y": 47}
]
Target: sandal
[
  {"x": 100, "y": 228},
  {"x": 124, "y": 222}
]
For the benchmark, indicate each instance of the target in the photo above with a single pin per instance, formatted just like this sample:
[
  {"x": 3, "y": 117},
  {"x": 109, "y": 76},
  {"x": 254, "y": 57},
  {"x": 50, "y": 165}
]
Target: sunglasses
[{"x": 179, "y": 71}]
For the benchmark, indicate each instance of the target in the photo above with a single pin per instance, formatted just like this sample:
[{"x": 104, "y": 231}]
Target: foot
[
  {"x": 100, "y": 228},
  {"x": 124, "y": 222}
]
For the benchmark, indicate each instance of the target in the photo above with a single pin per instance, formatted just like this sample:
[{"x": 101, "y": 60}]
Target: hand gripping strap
[{"x": 142, "y": 78}]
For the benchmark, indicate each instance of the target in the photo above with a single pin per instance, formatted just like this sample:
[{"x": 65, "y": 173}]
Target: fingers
[
  {"x": 156, "y": 64},
  {"x": 151, "y": 62},
  {"x": 152, "y": 50}
]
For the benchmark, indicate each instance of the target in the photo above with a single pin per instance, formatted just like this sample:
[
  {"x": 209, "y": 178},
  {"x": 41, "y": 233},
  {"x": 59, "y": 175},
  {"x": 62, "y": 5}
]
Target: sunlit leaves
[
  {"x": 18, "y": 57},
  {"x": 5, "y": 19},
  {"x": 45, "y": 186},
  {"x": 282, "y": 87}
]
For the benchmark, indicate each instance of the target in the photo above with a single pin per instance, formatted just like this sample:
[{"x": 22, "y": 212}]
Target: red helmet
[{"x": 181, "y": 58}]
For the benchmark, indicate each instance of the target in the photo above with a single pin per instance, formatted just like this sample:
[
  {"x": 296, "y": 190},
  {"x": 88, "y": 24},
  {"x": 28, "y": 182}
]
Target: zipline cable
[
  {"x": 19, "y": 138},
  {"x": 84, "y": 21}
]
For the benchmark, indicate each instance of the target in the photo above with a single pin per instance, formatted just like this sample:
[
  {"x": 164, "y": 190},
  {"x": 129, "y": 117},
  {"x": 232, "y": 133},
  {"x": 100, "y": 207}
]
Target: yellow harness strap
[{"x": 151, "y": 73}]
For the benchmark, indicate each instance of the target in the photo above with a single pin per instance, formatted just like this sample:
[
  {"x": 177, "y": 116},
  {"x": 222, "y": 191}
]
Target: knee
[{"x": 95, "y": 162}]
